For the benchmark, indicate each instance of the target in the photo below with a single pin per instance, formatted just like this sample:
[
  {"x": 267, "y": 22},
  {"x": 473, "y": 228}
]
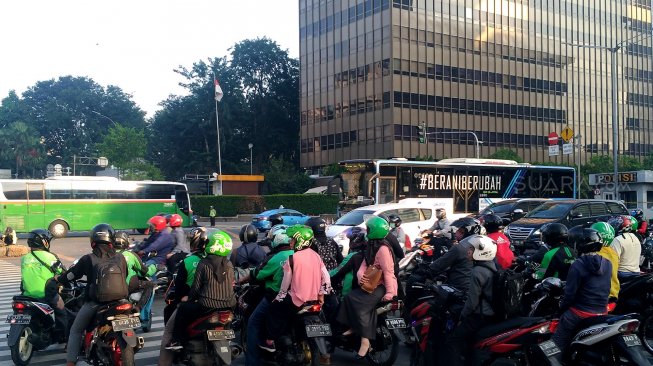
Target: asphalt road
[{"x": 73, "y": 247}]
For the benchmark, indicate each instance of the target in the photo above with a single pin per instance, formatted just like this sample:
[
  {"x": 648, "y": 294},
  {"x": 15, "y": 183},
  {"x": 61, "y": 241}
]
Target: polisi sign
[{"x": 629, "y": 177}]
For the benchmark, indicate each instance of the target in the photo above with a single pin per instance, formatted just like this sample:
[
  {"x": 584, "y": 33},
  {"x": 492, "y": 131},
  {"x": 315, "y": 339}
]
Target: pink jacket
[
  {"x": 306, "y": 279},
  {"x": 385, "y": 260}
]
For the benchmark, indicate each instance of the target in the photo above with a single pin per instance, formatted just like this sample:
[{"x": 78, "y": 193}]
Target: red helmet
[
  {"x": 175, "y": 220},
  {"x": 158, "y": 223}
]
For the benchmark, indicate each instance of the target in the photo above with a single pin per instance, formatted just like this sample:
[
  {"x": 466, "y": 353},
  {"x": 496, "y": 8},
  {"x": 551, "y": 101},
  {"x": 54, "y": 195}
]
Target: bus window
[
  {"x": 35, "y": 191},
  {"x": 14, "y": 190},
  {"x": 182, "y": 200},
  {"x": 85, "y": 194},
  {"x": 387, "y": 190},
  {"x": 57, "y": 194}
]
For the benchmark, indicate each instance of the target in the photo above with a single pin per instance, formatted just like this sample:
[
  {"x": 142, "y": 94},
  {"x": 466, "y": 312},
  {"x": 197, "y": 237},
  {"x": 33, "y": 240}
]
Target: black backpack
[
  {"x": 507, "y": 293},
  {"x": 110, "y": 279}
]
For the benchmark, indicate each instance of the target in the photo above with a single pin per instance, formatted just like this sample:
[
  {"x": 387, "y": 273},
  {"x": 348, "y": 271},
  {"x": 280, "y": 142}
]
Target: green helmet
[
  {"x": 606, "y": 232},
  {"x": 377, "y": 228},
  {"x": 303, "y": 236},
  {"x": 280, "y": 239},
  {"x": 219, "y": 243},
  {"x": 633, "y": 224}
]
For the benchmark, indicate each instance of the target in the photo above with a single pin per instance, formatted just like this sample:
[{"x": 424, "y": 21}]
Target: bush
[{"x": 310, "y": 204}]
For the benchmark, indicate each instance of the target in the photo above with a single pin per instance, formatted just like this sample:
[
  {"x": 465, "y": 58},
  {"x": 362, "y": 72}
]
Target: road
[{"x": 71, "y": 248}]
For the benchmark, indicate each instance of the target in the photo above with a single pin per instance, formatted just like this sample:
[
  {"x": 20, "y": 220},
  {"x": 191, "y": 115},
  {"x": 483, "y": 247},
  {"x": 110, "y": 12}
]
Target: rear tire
[
  {"x": 126, "y": 354},
  {"x": 59, "y": 228},
  {"x": 314, "y": 352},
  {"x": 388, "y": 356},
  {"x": 646, "y": 330},
  {"x": 22, "y": 351}
]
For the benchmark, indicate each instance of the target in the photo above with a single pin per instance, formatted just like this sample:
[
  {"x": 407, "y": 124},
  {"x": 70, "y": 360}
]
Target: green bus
[{"x": 64, "y": 204}]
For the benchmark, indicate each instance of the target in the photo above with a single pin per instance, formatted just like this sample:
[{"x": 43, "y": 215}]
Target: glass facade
[{"x": 511, "y": 71}]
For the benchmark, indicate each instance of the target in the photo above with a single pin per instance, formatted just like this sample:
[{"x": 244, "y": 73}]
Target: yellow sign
[{"x": 567, "y": 134}]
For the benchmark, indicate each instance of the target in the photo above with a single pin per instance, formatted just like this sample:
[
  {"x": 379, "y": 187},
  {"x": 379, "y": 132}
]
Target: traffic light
[{"x": 421, "y": 132}]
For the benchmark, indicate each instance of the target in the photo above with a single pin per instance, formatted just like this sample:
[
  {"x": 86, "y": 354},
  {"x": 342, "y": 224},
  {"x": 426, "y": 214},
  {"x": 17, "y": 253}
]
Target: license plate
[
  {"x": 395, "y": 323},
  {"x": 220, "y": 335},
  {"x": 631, "y": 340},
  {"x": 549, "y": 348},
  {"x": 18, "y": 319},
  {"x": 318, "y": 330},
  {"x": 128, "y": 323}
]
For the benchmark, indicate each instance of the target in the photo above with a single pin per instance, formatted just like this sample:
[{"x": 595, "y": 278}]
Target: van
[{"x": 525, "y": 232}]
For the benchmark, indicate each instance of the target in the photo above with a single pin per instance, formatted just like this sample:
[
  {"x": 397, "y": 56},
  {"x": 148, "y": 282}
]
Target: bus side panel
[{"x": 14, "y": 214}]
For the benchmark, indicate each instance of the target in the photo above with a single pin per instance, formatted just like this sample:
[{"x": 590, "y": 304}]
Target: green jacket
[
  {"x": 135, "y": 266},
  {"x": 190, "y": 265},
  {"x": 272, "y": 272},
  {"x": 556, "y": 263},
  {"x": 34, "y": 275},
  {"x": 212, "y": 212}
]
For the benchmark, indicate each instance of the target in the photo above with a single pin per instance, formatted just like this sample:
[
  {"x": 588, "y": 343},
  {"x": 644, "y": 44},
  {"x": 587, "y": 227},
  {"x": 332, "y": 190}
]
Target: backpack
[
  {"x": 507, "y": 293},
  {"x": 110, "y": 275}
]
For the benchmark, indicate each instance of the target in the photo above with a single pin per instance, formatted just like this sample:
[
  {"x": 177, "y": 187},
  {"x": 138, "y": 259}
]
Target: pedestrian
[{"x": 212, "y": 215}]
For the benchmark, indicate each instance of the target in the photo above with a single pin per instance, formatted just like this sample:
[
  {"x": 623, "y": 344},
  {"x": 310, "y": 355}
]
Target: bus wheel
[{"x": 58, "y": 228}]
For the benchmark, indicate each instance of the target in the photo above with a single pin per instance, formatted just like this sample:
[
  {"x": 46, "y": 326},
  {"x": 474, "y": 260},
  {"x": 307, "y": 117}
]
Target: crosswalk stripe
[{"x": 55, "y": 355}]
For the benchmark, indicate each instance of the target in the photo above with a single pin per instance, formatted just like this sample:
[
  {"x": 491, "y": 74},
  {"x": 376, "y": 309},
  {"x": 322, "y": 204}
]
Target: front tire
[
  {"x": 23, "y": 350},
  {"x": 59, "y": 228}
]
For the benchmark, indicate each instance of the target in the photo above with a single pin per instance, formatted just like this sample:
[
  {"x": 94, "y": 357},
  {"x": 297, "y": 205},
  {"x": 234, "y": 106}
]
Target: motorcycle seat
[
  {"x": 26, "y": 298},
  {"x": 634, "y": 282},
  {"x": 506, "y": 325},
  {"x": 594, "y": 320}
]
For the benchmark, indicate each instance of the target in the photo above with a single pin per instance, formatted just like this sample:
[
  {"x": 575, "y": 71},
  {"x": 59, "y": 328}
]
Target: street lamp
[
  {"x": 102, "y": 115},
  {"x": 251, "y": 169},
  {"x": 476, "y": 141},
  {"x": 87, "y": 160},
  {"x": 615, "y": 112}
]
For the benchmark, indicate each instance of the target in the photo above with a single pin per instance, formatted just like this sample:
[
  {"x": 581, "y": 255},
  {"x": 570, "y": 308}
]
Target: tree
[
  {"x": 281, "y": 176},
  {"x": 333, "y": 169},
  {"x": 506, "y": 154},
  {"x": 125, "y": 147},
  {"x": 22, "y": 149}
]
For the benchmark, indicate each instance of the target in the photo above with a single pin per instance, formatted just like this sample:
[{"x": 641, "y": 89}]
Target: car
[
  {"x": 414, "y": 217},
  {"x": 290, "y": 217},
  {"x": 525, "y": 232},
  {"x": 512, "y": 209}
]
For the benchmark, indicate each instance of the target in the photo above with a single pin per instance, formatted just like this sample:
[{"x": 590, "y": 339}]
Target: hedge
[{"x": 226, "y": 206}]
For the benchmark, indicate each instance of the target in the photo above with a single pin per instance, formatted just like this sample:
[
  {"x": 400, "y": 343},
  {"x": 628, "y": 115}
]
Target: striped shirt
[{"x": 206, "y": 288}]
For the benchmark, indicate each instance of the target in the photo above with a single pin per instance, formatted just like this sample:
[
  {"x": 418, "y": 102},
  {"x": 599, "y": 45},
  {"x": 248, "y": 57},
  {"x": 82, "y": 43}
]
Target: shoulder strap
[
  {"x": 290, "y": 261},
  {"x": 43, "y": 263}
]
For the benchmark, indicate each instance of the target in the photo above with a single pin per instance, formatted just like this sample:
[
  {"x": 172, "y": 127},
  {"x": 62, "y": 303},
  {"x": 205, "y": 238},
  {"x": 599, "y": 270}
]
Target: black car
[
  {"x": 525, "y": 232},
  {"x": 512, "y": 209}
]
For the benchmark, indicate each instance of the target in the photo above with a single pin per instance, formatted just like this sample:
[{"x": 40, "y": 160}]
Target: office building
[{"x": 510, "y": 71}]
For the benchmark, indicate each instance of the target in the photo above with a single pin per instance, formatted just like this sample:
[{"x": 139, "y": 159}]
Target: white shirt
[{"x": 628, "y": 249}]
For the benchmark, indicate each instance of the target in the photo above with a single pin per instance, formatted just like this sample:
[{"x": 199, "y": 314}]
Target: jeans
[
  {"x": 566, "y": 330},
  {"x": 624, "y": 276},
  {"x": 255, "y": 325},
  {"x": 83, "y": 318},
  {"x": 165, "y": 355}
]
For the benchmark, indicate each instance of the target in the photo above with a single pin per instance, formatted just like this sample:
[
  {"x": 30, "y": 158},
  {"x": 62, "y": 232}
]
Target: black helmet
[
  {"x": 122, "y": 240},
  {"x": 394, "y": 220},
  {"x": 317, "y": 225},
  {"x": 198, "y": 238},
  {"x": 275, "y": 220},
  {"x": 492, "y": 223},
  {"x": 356, "y": 236},
  {"x": 574, "y": 234},
  {"x": 248, "y": 234},
  {"x": 465, "y": 227},
  {"x": 39, "y": 239},
  {"x": 555, "y": 235},
  {"x": 103, "y": 234},
  {"x": 637, "y": 214},
  {"x": 589, "y": 241}
]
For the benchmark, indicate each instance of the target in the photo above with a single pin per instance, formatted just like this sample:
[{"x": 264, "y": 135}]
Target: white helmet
[
  {"x": 276, "y": 228},
  {"x": 485, "y": 249}
]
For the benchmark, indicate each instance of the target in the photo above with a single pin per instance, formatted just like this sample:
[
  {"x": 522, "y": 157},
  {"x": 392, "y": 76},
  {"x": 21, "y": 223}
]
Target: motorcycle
[
  {"x": 636, "y": 296},
  {"x": 146, "y": 311},
  {"x": 110, "y": 338},
  {"x": 32, "y": 324},
  {"x": 601, "y": 340},
  {"x": 306, "y": 338},
  {"x": 420, "y": 253},
  {"x": 385, "y": 347},
  {"x": 646, "y": 257},
  {"x": 209, "y": 341}
]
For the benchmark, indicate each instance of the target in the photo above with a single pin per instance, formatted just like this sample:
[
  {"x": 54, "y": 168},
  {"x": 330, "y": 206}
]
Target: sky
[{"x": 132, "y": 44}]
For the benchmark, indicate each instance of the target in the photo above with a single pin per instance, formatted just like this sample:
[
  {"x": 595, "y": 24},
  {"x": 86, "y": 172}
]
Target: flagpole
[{"x": 217, "y": 124}]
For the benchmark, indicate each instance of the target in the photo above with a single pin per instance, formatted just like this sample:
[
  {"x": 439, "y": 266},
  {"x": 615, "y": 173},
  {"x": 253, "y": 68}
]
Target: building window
[{"x": 632, "y": 123}]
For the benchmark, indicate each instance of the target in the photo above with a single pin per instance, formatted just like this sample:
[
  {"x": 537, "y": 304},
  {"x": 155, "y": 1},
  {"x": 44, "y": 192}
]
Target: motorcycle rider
[
  {"x": 558, "y": 260},
  {"x": 37, "y": 271},
  {"x": 477, "y": 311},
  {"x": 180, "y": 248},
  {"x": 135, "y": 269},
  {"x": 249, "y": 254},
  {"x": 493, "y": 225},
  {"x": 606, "y": 233},
  {"x": 627, "y": 247},
  {"x": 212, "y": 287},
  {"x": 198, "y": 238},
  {"x": 271, "y": 273},
  {"x": 398, "y": 231},
  {"x": 159, "y": 243},
  {"x": 327, "y": 249},
  {"x": 347, "y": 269},
  {"x": 586, "y": 289},
  {"x": 642, "y": 225},
  {"x": 440, "y": 227},
  {"x": 102, "y": 238},
  {"x": 305, "y": 278}
]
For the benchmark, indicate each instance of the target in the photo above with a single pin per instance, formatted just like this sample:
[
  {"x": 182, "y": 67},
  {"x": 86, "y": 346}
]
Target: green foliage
[
  {"x": 122, "y": 145},
  {"x": 282, "y": 177},
  {"x": 139, "y": 169},
  {"x": 310, "y": 204},
  {"x": 333, "y": 169},
  {"x": 604, "y": 164},
  {"x": 506, "y": 154},
  {"x": 22, "y": 150}
]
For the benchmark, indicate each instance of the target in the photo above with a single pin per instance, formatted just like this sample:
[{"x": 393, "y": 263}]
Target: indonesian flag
[{"x": 218, "y": 91}]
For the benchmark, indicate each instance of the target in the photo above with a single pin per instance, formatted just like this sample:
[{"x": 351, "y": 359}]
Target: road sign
[
  {"x": 553, "y": 138},
  {"x": 554, "y": 150},
  {"x": 567, "y": 149},
  {"x": 597, "y": 191},
  {"x": 567, "y": 134}
]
